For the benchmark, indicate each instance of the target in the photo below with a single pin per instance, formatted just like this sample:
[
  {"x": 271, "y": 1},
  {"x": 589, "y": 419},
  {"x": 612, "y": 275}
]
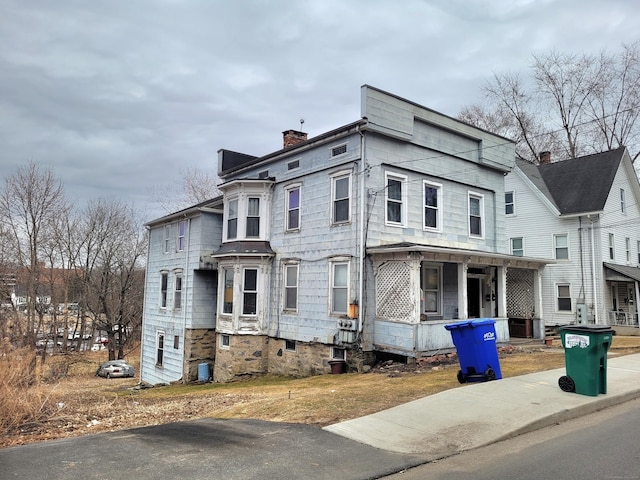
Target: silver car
[{"x": 115, "y": 369}]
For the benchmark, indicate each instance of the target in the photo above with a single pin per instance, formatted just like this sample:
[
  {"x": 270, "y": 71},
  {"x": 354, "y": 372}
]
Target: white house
[
  {"x": 582, "y": 214},
  {"x": 362, "y": 241}
]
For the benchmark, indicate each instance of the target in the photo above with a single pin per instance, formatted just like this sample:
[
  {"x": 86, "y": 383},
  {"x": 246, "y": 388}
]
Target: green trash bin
[{"x": 585, "y": 358}]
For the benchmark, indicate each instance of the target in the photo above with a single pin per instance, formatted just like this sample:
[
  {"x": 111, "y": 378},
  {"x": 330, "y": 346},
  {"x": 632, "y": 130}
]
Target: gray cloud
[{"x": 119, "y": 96}]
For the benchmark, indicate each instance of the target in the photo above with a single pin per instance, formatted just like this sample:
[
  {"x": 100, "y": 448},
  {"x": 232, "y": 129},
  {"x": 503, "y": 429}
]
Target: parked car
[{"x": 115, "y": 369}]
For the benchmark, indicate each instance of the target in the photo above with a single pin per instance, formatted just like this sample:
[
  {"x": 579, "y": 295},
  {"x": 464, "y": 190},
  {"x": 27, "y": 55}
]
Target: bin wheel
[
  {"x": 566, "y": 384},
  {"x": 462, "y": 378},
  {"x": 490, "y": 374}
]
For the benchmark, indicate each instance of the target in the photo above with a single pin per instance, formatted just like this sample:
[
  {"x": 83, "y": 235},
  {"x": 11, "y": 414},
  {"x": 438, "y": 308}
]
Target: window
[
  {"x": 395, "y": 199},
  {"x": 638, "y": 252},
  {"x": 290, "y": 345},
  {"x": 264, "y": 174},
  {"x": 253, "y": 218},
  {"x": 564, "y": 297},
  {"x": 517, "y": 247},
  {"x": 476, "y": 208},
  {"x": 341, "y": 197},
  {"x": 225, "y": 341},
  {"x": 432, "y": 211},
  {"x": 159, "y": 348},
  {"x": 167, "y": 238},
  {"x": 232, "y": 221},
  {"x": 509, "y": 203},
  {"x": 227, "y": 304},
  {"x": 612, "y": 250},
  {"x": 177, "y": 294},
  {"x": 250, "y": 291},
  {"x": 176, "y": 342},
  {"x": 623, "y": 206},
  {"x": 292, "y": 196},
  {"x": 291, "y": 287},
  {"x": 335, "y": 151},
  {"x": 561, "y": 246},
  {"x": 430, "y": 286},
  {"x": 293, "y": 165},
  {"x": 627, "y": 242},
  {"x": 164, "y": 281},
  {"x": 338, "y": 353},
  {"x": 339, "y": 287},
  {"x": 182, "y": 226}
]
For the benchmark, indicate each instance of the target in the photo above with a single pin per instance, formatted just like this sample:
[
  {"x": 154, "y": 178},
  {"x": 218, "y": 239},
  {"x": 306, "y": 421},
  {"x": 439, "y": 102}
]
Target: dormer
[{"x": 247, "y": 210}]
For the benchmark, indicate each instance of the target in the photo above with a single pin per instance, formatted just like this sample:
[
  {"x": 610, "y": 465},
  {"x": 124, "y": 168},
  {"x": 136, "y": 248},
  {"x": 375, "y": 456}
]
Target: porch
[{"x": 621, "y": 295}]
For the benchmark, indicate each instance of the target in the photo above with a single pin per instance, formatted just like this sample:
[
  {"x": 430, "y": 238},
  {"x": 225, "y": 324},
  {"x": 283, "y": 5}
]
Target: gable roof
[{"x": 577, "y": 185}]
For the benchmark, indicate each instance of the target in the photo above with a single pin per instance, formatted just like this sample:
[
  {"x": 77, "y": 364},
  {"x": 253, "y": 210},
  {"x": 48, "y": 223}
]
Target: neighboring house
[
  {"x": 362, "y": 241},
  {"x": 584, "y": 215}
]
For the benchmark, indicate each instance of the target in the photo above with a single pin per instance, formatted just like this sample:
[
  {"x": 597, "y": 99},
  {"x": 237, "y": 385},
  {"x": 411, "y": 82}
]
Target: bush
[{"x": 24, "y": 403}]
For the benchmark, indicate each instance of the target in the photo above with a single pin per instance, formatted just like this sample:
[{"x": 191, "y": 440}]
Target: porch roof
[
  {"x": 461, "y": 255},
  {"x": 621, "y": 272}
]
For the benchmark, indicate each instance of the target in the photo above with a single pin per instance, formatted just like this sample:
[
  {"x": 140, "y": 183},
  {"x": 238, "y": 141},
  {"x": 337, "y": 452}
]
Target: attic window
[
  {"x": 335, "y": 151},
  {"x": 293, "y": 165},
  {"x": 264, "y": 174}
]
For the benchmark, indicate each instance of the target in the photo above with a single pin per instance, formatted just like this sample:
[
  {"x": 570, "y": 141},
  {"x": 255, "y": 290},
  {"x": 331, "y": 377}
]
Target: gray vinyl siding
[{"x": 457, "y": 177}]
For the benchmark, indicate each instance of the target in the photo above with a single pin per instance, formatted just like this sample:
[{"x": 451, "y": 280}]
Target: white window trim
[
  {"x": 287, "y": 191},
  {"x": 181, "y": 245},
  {"x": 627, "y": 242},
  {"x": 338, "y": 353},
  {"x": 335, "y": 177},
  {"x": 403, "y": 199},
  {"x": 437, "y": 266},
  {"x": 160, "y": 333},
  {"x": 557, "y": 297},
  {"x": 623, "y": 202},
  {"x": 225, "y": 224},
  {"x": 167, "y": 238},
  {"x": 285, "y": 286},
  {"x": 256, "y": 291},
  {"x": 166, "y": 292},
  {"x": 513, "y": 202},
  {"x": 222, "y": 288},
  {"x": 334, "y": 147},
  {"x": 611, "y": 246},
  {"x": 555, "y": 247},
  {"x": 438, "y": 187},
  {"x": 511, "y": 244},
  {"x": 480, "y": 197},
  {"x": 332, "y": 264},
  {"x": 221, "y": 343},
  {"x": 287, "y": 348},
  {"x": 178, "y": 274}
]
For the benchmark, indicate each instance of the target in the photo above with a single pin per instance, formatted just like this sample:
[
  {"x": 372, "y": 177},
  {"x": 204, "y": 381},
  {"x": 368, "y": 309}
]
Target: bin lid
[
  {"x": 476, "y": 322},
  {"x": 588, "y": 328}
]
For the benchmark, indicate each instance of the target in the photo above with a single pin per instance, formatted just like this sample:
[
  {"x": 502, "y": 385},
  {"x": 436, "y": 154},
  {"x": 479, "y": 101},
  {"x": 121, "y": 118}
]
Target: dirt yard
[{"x": 77, "y": 403}]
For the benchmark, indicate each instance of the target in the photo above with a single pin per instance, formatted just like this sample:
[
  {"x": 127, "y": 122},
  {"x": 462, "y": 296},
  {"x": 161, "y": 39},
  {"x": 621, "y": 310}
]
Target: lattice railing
[
  {"x": 520, "y": 298},
  {"x": 393, "y": 291}
]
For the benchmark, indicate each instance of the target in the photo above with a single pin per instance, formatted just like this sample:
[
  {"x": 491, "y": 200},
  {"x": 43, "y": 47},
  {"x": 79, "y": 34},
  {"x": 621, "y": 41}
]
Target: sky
[{"x": 120, "y": 97}]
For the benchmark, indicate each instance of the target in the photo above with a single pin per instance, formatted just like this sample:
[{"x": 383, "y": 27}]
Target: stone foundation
[
  {"x": 199, "y": 347},
  {"x": 246, "y": 355}
]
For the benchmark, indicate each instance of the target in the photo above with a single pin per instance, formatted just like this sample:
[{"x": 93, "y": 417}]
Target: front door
[{"x": 474, "y": 297}]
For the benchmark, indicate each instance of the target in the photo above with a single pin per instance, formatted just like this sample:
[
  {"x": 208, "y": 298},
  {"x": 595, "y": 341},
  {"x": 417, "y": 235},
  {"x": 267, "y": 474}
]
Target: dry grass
[{"x": 78, "y": 403}]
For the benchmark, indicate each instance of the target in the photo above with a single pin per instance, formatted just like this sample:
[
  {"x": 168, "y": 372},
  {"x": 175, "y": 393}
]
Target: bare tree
[
  {"x": 574, "y": 104},
  {"x": 113, "y": 249},
  {"x": 196, "y": 185},
  {"x": 31, "y": 198}
]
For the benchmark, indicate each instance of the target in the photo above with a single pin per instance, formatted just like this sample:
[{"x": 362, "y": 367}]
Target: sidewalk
[{"x": 478, "y": 414}]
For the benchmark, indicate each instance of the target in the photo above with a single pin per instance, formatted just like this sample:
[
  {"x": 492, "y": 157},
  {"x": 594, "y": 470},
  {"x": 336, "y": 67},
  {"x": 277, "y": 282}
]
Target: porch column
[
  {"x": 537, "y": 298},
  {"x": 636, "y": 304},
  {"x": 462, "y": 291},
  {"x": 501, "y": 273}
]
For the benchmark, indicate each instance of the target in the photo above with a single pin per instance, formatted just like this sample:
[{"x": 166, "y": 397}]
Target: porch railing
[{"x": 623, "y": 319}]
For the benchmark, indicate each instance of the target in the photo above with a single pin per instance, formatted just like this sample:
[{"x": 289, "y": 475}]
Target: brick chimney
[
  {"x": 545, "y": 158},
  {"x": 293, "y": 137}
]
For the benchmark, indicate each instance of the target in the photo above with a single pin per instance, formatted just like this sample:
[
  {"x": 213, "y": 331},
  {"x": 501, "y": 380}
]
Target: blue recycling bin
[{"x": 475, "y": 342}]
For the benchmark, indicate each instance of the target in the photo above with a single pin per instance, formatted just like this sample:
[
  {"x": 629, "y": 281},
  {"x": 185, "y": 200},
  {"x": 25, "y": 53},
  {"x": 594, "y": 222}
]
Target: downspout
[
  {"x": 593, "y": 274},
  {"x": 361, "y": 253}
]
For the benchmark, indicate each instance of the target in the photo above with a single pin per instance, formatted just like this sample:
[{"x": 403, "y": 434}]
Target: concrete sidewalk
[{"x": 478, "y": 414}]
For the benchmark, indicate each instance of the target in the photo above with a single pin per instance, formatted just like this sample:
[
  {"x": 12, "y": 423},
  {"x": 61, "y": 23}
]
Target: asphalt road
[
  {"x": 600, "y": 446},
  {"x": 204, "y": 449}
]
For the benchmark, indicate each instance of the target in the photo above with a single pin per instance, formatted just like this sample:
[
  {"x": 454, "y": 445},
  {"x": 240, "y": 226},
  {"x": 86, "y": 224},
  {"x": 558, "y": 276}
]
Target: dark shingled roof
[
  {"x": 577, "y": 185},
  {"x": 244, "y": 248}
]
